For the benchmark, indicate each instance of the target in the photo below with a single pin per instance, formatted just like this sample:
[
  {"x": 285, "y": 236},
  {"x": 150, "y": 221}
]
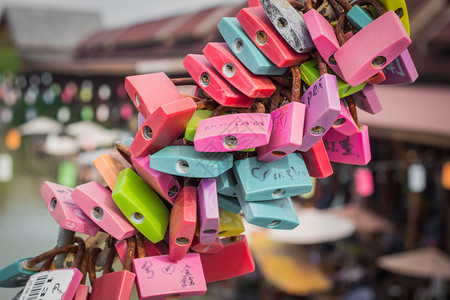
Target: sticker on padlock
[
  {"x": 258, "y": 27},
  {"x": 231, "y": 69},
  {"x": 345, "y": 123},
  {"x": 64, "y": 210},
  {"x": 96, "y": 202},
  {"x": 234, "y": 260},
  {"x": 322, "y": 109},
  {"x": 208, "y": 211},
  {"x": 317, "y": 161},
  {"x": 401, "y": 71},
  {"x": 230, "y": 224},
  {"x": 183, "y": 220},
  {"x": 244, "y": 49},
  {"x": 289, "y": 23},
  {"x": 273, "y": 214},
  {"x": 364, "y": 182},
  {"x": 233, "y": 132},
  {"x": 191, "y": 127},
  {"x": 213, "y": 247},
  {"x": 213, "y": 84},
  {"x": 141, "y": 205},
  {"x": 226, "y": 184},
  {"x": 162, "y": 183},
  {"x": 187, "y": 162},
  {"x": 109, "y": 166},
  {"x": 259, "y": 181},
  {"x": 367, "y": 100},
  {"x": 287, "y": 132},
  {"x": 354, "y": 149}
]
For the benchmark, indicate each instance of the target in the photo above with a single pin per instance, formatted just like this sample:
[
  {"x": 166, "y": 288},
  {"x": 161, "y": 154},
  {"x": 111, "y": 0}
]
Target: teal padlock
[
  {"x": 226, "y": 184},
  {"x": 358, "y": 17},
  {"x": 185, "y": 161},
  {"x": 17, "y": 274},
  {"x": 259, "y": 181},
  {"x": 244, "y": 49},
  {"x": 229, "y": 203},
  {"x": 141, "y": 205}
]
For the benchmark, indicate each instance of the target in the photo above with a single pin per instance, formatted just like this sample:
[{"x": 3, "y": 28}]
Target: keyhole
[
  {"x": 172, "y": 191},
  {"x": 378, "y": 61},
  {"x": 53, "y": 203},
  {"x": 182, "y": 241},
  {"x": 238, "y": 45},
  {"x": 282, "y": 23},
  {"x": 229, "y": 70},
  {"x": 278, "y": 153},
  {"x": 97, "y": 213},
  {"x": 317, "y": 130},
  {"x": 137, "y": 218},
  {"x": 261, "y": 37},
  {"x": 147, "y": 132},
  {"x": 230, "y": 142},
  {"x": 205, "y": 79},
  {"x": 138, "y": 100},
  {"x": 332, "y": 60},
  {"x": 399, "y": 12},
  {"x": 207, "y": 248},
  {"x": 278, "y": 193},
  {"x": 274, "y": 223},
  {"x": 339, "y": 122},
  {"x": 173, "y": 296},
  {"x": 209, "y": 231},
  {"x": 182, "y": 166}
]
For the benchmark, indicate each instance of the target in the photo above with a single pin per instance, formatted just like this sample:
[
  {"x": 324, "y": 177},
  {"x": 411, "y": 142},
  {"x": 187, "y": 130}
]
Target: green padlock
[
  {"x": 141, "y": 205},
  {"x": 191, "y": 127}
]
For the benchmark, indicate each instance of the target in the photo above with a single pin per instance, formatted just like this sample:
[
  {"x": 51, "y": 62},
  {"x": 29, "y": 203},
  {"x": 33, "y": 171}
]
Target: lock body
[
  {"x": 187, "y": 162},
  {"x": 244, "y": 49},
  {"x": 115, "y": 285},
  {"x": 226, "y": 184},
  {"x": 96, "y": 202},
  {"x": 401, "y": 71},
  {"x": 15, "y": 274},
  {"x": 317, "y": 161},
  {"x": 358, "y": 17},
  {"x": 259, "y": 181},
  {"x": 260, "y": 30},
  {"x": 233, "y": 132},
  {"x": 231, "y": 69},
  {"x": 344, "y": 122},
  {"x": 213, "y": 247},
  {"x": 213, "y": 83},
  {"x": 162, "y": 183},
  {"x": 377, "y": 78},
  {"x": 191, "y": 127},
  {"x": 109, "y": 166},
  {"x": 229, "y": 203},
  {"x": 141, "y": 205},
  {"x": 82, "y": 292},
  {"x": 65, "y": 211},
  {"x": 230, "y": 224},
  {"x": 208, "y": 211},
  {"x": 368, "y": 100},
  {"x": 399, "y": 8}
]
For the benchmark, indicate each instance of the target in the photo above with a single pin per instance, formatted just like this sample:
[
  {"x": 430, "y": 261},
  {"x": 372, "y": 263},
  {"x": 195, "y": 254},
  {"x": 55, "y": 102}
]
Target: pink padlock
[
  {"x": 364, "y": 182},
  {"x": 367, "y": 100},
  {"x": 360, "y": 57},
  {"x": 377, "y": 78},
  {"x": 64, "y": 210},
  {"x": 213, "y": 83},
  {"x": 96, "y": 202},
  {"x": 214, "y": 247},
  {"x": 322, "y": 109},
  {"x": 401, "y": 70},
  {"x": 354, "y": 149},
  {"x": 258, "y": 27},
  {"x": 253, "y": 3},
  {"x": 233, "y": 132},
  {"x": 231, "y": 68},
  {"x": 164, "y": 184},
  {"x": 208, "y": 211},
  {"x": 344, "y": 123},
  {"x": 287, "y": 132},
  {"x": 317, "y": 161}
]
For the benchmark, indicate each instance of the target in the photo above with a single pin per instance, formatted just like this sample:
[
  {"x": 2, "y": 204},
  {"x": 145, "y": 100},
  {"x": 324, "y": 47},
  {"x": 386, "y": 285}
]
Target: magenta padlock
[
  {"x": 164, "y": 184},
  {"x": 372, "y": 48},
  {"x": 364, "y": 182},
  {"x": 367, "y": 100},
  {"x": 259, "y": 28},
  {"x": 213, "y": 83},
  {"x": 322, "y": 109},
  {"x": 345, "y": 123},
  {"x": 401, "y": 71},
  {"x": 354, "y": 149},
  {"x": 65, "y": 211},
  {"x": 96, "y": 202},
  {"x": 208, "y": 211},
  {"x": 233, "y": 132},
  {"x": 287, "y": 132}
]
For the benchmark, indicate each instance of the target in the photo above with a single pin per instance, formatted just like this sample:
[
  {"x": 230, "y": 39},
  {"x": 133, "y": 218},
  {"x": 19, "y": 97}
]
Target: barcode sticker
[{"x": 48, "y": 285}]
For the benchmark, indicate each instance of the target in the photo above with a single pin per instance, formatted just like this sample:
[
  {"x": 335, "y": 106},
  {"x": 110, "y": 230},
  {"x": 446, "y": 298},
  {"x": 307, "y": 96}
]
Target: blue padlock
[
  {"x": 358, "y": 17},
  {"x": 226, "y": 184},
  {"x": 244, "y": 49},
  {"x": 259, "y": 181},
  {"x": 186, "y": 162},
  {"x": 273, "y": 214},
  {"x": 17, "y": 274},
  {"x": 229, "y": 203}
]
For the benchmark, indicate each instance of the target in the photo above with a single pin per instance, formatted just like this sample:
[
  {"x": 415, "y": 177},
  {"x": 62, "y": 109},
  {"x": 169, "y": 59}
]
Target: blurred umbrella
[
  {"x": 41, "y": 126},
  {"x": 60, "y": 145},
  {"x": 91, "y": 135}
]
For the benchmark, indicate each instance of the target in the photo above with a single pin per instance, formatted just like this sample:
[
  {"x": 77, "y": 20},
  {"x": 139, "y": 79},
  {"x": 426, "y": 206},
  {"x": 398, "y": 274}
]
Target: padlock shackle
[
  {"x": 257, "y": 107},
  {"x": 308, "y": 5},
  {"x": 78, "y": 260},
  {"x": 321, "y": 65},
  {"x": 345, "y": 5},
  {"x": 84, "y": 267},
  {"x": 123, "y": 150},
  {"x": 340, "y": 29},
  {"x": 131, "y": 250},
  {"x": 93, "y": 253},
  {"x": 352, "y": 108},
  {"x": 107, "y": 268},
  {"x": 296, "y": 5},
  {"x": 275, "y": 98},
  {"x": 206, "y": 104},
  {"x": 336, "y": 8},
  {"x": 183, "y": 81},
  {"x": 50, "y": 254},
  {"x": 296, "y": 84}
]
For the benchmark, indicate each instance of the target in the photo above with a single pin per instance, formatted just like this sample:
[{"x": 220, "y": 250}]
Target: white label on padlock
[{"x": 48, "y": 285}]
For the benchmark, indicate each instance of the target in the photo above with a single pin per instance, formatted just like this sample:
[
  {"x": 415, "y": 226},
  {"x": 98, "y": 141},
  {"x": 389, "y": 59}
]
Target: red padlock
[{"x": 317, "y": 161}]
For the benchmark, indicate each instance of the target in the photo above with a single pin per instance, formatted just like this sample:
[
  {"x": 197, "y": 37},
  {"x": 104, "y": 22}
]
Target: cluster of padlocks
[{"x": 261, "y": 115}]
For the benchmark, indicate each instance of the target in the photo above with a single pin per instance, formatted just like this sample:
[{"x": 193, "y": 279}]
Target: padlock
[
  {"x": 109, "y": 166},
  {"x": 191, "y": 127},
  {"x": 213, "y": 247},
  {"x": 253, "y": 3},
  {"x": 367, "y": 100},
  {"x": 244, "y": 49},
  {"x": 230, "y": 224},
  {"x": 229, "y": 203},
  {"x": 212, "y": 82},
  {"x": 187, "y": 162},
  {"x": 317, "y": 161},
  {"x": 322, "y": 109},
  {"x": 226, "y": 183},
  {"x": 164, "y": 184},
  {"x": 364, "y": 182},
  {"x": 96, "y": 202},
  {"x": 208, "y": 211},
  {"x": 229, "y": 67},
  {"x": 183, "y": 220},
  {"x": 258, "y": 27},
  {"x": 259, "y": 181},
  {"x": 289, "y": 23},
  {"x": 234, "y": 260},
  {"x": 359, "y": 58},
  {"x": 354, "y": 149},
  {"x": 377, "y": 78},
  {"x": 64, "y": 210},
  {"x": 159, "y": 277},
  {"x": 358, "y": 17},
  {"x": 344, "y": 122},
  {"x": 287, "y": 132},
  {"x": 141, "y": 205},
  {"x": 401, "y": 71},
  {"x": 273, "y": 214},
  {"x": 160, "y": 248},
  {"x": 233, "y": 132},
  {"x": 399, "y": 7},
  {"x": 116, "y": 285}
]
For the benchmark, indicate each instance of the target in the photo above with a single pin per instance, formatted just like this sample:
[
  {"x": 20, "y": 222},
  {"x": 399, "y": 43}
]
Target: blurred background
[{"x": 63, "y": 103}]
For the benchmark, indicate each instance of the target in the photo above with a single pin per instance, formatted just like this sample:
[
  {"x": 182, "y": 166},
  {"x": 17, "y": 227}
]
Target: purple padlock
[
  {"x": 367, "y": 100},
  {"x": 344, "y": 123},
  {"x": 208, "y": 211},
  {"x": 401, "y": 71}
]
